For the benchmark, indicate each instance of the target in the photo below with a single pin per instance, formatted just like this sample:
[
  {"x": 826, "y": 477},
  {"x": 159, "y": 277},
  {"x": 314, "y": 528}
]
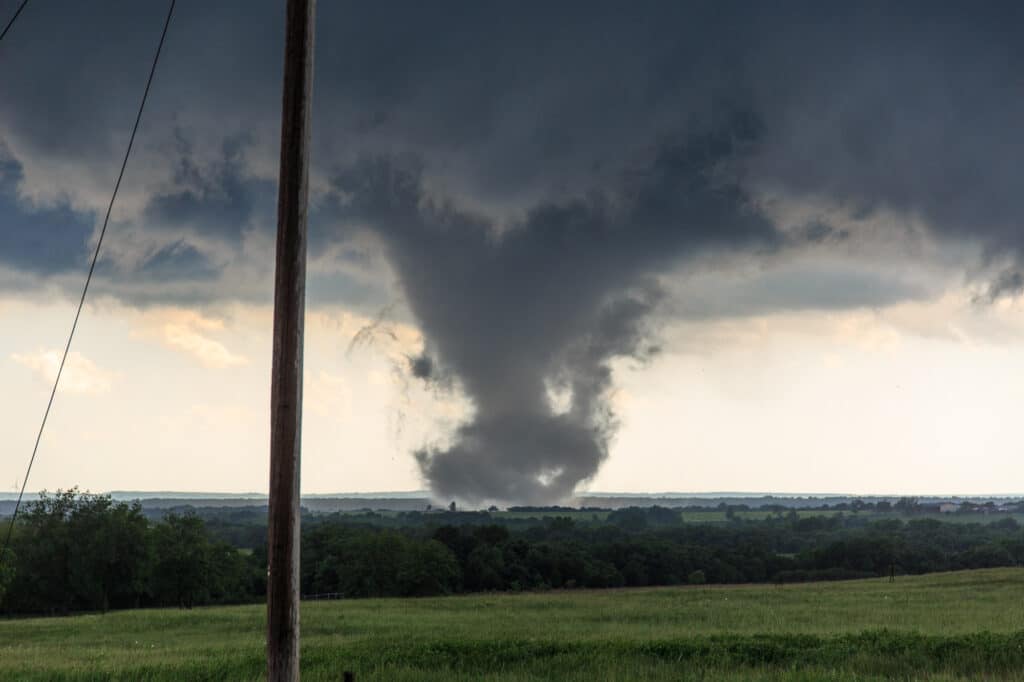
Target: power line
[
  {"x": 13, "y": 19},
  {"x": 92, "y": 268}
]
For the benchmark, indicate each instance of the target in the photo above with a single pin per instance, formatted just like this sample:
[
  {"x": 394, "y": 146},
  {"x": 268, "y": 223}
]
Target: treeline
[
  {"x": 640, "y": 547},
  {"x": 73, "y": 551}
]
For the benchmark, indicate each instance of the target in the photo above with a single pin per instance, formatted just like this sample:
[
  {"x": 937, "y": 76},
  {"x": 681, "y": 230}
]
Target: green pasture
[{"x": 954, "y": 626}]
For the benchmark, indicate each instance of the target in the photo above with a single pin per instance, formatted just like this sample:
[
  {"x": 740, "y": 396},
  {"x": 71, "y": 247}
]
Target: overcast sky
[{"x": 553, "y": 247}]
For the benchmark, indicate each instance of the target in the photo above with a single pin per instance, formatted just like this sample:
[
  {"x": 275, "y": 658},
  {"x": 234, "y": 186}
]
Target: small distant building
[{"x": 949, "y": 507}]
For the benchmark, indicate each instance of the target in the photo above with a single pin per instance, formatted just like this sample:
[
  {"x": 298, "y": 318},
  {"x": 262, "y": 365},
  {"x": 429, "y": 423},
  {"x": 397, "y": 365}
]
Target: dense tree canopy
[{"x": 73, "y": 552}]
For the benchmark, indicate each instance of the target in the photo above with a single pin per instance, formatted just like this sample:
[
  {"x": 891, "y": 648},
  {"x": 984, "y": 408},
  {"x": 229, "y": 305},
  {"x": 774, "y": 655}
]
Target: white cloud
[
  {"x": 190, "y": 332},
  {"x": 327, "y": 394},
  {"x": 81, "y": 375}
]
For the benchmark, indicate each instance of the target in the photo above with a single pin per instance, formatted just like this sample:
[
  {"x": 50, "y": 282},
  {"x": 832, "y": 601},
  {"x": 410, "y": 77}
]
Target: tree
[
  {"x": 629, "y": 518},
  {"x": 234, "y": 577},
  {"x": 492, "y": 535},
  {"x": 906, "y": 505},
  {"x": 367, "y": 563},
  {"x": 6, "y": 572},
  {"x": 182, "y": 566},
  {"x": 79, "y": 551},
  {"x": 42, "y": 581},
  {"x": 485, "y": 569},
  {"x": 663, "y": 516},
  {"x": 109, "y": 543},
  {"x": 428, "y": 568}
]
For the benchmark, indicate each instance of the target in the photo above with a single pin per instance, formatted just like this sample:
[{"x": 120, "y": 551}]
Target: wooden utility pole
[{"x": 286, "y": 380}]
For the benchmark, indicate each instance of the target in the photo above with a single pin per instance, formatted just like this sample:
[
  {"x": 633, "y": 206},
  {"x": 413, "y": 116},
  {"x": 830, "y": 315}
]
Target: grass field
[{"x": 954, "y": 626}]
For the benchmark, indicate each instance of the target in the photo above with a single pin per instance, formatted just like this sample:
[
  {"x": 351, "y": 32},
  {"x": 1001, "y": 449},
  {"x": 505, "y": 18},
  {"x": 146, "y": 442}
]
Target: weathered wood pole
[{"x": 286, "y": 378}]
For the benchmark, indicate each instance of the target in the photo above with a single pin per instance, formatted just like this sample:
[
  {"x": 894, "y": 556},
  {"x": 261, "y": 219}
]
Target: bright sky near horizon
[
  {"x": 173, "y": 399},
  {"x": 778, "y": 253}
]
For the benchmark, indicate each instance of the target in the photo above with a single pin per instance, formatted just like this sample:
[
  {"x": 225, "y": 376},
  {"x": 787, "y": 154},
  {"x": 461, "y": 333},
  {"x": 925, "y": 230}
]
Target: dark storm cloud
[
  {"x": 45, "y": 240},
  {"x": 179, "y": 260},
  {"x": 73, "y": 71},
  {"x": 422, "y": 367},
  {"x": 217, "y": 202},
  {"x": 819, "y": 232},
  {"x": 1009, "y": 282},
  {"x": 911, "y": 108},
  {"x": 835, "y": 287},
  {"x": 73, "y": 75}
]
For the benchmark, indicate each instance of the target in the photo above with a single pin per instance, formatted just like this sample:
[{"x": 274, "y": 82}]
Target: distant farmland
[{"x": 954, "y": 626}]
